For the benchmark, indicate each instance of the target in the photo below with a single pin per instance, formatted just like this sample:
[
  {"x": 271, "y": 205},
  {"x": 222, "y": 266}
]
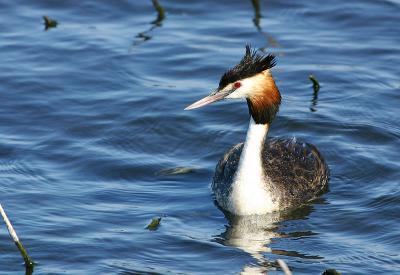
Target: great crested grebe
[{"x": 262, "y": 175}]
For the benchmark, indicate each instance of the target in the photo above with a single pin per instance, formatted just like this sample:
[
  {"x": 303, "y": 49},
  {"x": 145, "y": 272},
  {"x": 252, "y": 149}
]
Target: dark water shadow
[
  {"x": 254, "y": 234},
  {"x": 145, "y": 35}
]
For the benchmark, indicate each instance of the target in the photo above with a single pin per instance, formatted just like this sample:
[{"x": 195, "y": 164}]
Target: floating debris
[
  {"x": 49, "y": 22},
  {"x": 180, "y": 170},
  {"x": 160, "y": 13},
  {"x": 154, "y": 224},
  {"x": 316, "y": 87},
  {"x": 315, "y": 83},
  {"x": 331, "y": 271}
]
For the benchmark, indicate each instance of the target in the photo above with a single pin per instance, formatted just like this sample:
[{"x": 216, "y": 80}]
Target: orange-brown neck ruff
[{"x": 264, "y": 101}]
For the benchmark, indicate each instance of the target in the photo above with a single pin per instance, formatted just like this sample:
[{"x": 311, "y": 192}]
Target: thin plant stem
[
  {"x": 284, "y": 267},
  {"x": 28, "y": 261}
]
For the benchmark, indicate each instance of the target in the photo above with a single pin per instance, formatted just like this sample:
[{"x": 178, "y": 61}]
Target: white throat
[{"x": 251, "y": 189}]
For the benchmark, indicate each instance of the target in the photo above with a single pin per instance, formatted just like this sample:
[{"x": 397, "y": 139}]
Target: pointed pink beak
[{"x": 207, "y": 100}]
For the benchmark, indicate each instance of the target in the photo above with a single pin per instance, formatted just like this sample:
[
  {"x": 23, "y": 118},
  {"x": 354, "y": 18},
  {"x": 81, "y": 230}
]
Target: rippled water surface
[{"x": 93, "y": 132}]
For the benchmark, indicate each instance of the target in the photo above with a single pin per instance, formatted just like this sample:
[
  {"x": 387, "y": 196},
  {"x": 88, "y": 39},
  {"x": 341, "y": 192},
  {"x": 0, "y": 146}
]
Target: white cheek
[
  {"x": 244, "y": 90},
  {"x": 238, "y": 93}
]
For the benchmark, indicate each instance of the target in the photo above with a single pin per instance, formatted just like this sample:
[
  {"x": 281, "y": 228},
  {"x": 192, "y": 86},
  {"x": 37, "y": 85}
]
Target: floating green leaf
[
  {"x": 154, "y": 224},
  {"x": 49, "y": 22}
]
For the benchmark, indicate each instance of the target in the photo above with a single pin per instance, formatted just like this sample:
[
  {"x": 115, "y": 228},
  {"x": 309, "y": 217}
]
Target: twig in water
[
  {"x": 315, "y": 94},
  {"x": 315, "y": 83},
  {"x": 257, "y": 13},
  {"x": 284, "y": 267},
  {"x": 144, "y": 35},
  {"x": 28, "y": 261},
  {"x": 160, "y": 13}
]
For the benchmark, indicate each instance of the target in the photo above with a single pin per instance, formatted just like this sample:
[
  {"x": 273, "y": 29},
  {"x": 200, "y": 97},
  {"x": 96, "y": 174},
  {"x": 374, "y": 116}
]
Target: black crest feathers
[{"x": 251, "y": 64}]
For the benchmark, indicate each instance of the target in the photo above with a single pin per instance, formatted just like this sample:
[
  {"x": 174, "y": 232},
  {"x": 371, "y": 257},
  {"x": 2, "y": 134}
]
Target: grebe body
[
  {"x": 262, "y": 174},
  {"x": 292, "y": 173}
]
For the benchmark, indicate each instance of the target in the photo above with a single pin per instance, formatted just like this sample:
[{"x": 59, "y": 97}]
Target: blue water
[{"x": 92, "y": 111}]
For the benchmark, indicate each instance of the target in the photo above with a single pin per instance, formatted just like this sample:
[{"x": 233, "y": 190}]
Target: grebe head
[{"x": 250, "y": 79}]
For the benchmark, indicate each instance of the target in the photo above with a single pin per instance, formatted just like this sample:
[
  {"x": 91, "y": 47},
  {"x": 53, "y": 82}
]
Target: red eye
[{"x": 237, "y": 85}]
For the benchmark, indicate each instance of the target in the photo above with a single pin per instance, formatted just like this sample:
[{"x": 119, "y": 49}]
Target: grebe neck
[
  {"x": 251, "y": 190},
  {"x": 251, "y": 154}
]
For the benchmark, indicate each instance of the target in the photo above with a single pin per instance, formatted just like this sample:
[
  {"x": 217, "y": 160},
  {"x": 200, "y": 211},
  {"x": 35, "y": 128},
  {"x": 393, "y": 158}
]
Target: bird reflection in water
[{"x": 253, "y": 234}]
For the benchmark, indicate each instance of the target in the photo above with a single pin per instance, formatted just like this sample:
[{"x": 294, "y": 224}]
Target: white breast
[{"x": 251, "y": 193}]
